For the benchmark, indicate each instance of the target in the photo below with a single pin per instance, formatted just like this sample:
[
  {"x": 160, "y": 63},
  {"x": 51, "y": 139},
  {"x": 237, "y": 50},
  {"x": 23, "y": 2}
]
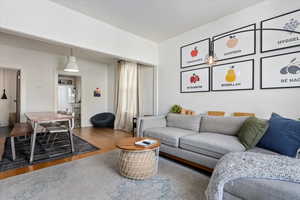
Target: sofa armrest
[{"x": 144, "y": 123}]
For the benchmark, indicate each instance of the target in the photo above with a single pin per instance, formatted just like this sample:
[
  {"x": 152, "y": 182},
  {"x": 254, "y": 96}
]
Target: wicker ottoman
[{"x": 138, "y": 162}]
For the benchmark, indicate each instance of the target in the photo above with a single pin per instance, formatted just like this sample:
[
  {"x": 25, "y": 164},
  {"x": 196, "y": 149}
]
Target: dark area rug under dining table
[{"x": 46, "y": 149}]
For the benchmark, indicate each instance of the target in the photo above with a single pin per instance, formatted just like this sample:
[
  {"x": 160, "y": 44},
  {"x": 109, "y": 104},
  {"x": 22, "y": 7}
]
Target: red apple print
[
  {"x": 195, "y": 78},
  {"x": 192, "y": 79},
  {"x": 194, "y": 52}
]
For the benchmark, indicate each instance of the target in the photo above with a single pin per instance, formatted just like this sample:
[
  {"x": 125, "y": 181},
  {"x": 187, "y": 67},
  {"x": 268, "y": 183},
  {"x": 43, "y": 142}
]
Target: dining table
[{"x": 39, "y": 118}]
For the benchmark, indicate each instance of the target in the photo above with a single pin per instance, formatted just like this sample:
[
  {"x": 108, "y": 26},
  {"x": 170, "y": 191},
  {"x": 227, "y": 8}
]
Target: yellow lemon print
[{"x": 230, "y": 75}]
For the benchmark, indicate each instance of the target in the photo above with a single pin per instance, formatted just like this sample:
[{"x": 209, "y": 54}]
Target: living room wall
[
  {"x": 7, "y": 106},
  {"x": 40, "y": 63},
  {"x": 261, "y": 102}
]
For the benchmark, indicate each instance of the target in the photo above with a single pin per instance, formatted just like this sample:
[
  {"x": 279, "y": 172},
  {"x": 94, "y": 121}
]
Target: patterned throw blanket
[{"x": 251, "y": 165}]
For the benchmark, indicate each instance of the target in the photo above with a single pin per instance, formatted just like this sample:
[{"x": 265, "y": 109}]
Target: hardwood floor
[{"x": 105, "y": 139}]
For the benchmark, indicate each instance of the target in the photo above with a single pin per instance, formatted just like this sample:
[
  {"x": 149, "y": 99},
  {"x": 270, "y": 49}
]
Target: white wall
[
  {"x": 93, "y": 75},
  {"x": 39, "y": 64},
  {"x": 111, "y": 84},
  {"x": 261, "y": 102},
  {"x": 7, "y": 82},
  {"x": 46, "y": 20},
  {"x": 147, "y": 95}
]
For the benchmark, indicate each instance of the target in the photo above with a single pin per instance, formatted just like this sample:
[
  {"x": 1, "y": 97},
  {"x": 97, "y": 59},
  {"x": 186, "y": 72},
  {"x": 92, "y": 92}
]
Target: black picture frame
[
  {"x": 253, "y": 78},
  {"x": 236, "y": 30},
  {"x": 261, "y": 72},
  {"x": 261, "y": 33},
  {"x": 193, "y": 65},
  {"x": 200, "y": 68}
]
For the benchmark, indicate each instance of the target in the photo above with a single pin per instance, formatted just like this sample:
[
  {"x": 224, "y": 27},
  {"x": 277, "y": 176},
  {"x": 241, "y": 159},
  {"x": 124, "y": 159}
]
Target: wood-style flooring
[{"x": 103, "y": 138}]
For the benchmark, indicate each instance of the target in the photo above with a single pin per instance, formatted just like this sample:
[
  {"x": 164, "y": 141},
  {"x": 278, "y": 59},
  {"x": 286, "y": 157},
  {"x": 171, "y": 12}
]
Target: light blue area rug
[{"x": 97, "y": 178}]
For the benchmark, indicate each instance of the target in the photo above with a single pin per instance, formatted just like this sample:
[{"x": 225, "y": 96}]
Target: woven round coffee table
[{"x": 138, "y": 162}]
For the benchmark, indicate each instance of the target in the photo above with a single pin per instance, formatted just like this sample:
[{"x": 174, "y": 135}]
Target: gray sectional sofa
[{"x": 203, "y": 140}]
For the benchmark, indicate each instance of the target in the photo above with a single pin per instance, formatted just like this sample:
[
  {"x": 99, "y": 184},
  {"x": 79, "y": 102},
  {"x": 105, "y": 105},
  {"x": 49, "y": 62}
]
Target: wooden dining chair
[
  {"x": 216, "y": 113},
  {"x": 243, "y": 114},
  {"x": 61, "y": 127},
  {"x": 20, "y": 129}
]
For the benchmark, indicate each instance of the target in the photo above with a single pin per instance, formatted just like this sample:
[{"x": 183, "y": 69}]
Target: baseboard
[{"x": 196, "y": 165}]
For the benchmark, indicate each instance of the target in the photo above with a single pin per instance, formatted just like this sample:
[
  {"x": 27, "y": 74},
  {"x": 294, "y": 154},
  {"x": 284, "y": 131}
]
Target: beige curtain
[{"x": 126, "y": 95}]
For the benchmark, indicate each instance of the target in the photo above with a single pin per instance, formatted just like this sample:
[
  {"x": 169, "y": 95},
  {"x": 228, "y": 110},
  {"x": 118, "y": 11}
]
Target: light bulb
[{"x": 211, "y": 60}]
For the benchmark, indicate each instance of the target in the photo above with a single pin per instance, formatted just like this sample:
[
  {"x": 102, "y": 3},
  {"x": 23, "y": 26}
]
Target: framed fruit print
[
  {"x": 233, "y": 76},
  {"x": 194, "y": 54},
  {"x": 236, "y": 43},
  {"x": 280, "y": 71},
  {"x": 195, "y": 80},
  {"x": 272, "y": 40}
]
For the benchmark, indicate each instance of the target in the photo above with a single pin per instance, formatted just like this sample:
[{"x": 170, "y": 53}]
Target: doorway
[
  {"x": 10, "y": 86},
  {"x": 69, "y": 96}
]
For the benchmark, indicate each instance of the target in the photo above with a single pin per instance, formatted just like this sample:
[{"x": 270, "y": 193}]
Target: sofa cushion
[
  {"x": 222, "y": 125},
  {"x": 188, "y": 122},
  {"x": 168, "y": 135},
  {"x": 252, "y": 131},
  {"x": 261, "y": 150},
  {"x": 247, "y": 188},
  {"x": 211, "y": 144},
  {"x": 150, "y": 122},
  {"x": 282, "y": 136},
  {"x": 260, "y": 189}
]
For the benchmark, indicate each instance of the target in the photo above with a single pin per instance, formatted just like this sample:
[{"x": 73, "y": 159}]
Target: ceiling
[{"x": 157, "y": 20}]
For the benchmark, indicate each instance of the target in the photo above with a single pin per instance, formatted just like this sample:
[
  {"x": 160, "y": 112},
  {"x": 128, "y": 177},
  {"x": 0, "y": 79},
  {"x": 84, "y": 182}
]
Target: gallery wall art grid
[
  {"x": 277, "y": 40},
  {"x": 190, "y": 54},
  {"x": 194, "y": 54},
  {"x": 280, "y": 71},
  {"x": 233, "y": 76},
  {"x": 235, "y": 45},
  {"x": 195, "y": 80}
]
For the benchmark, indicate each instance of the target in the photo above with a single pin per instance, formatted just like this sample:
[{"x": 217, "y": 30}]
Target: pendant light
[
  {"x": 3, "y": 76},
  {"x": 72, "y": 64},
  {"x": 210, "y": 60}
]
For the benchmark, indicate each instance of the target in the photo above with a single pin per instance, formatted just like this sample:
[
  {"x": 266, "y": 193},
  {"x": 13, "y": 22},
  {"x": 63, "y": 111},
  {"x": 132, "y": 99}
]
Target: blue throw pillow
[{"x": 282, "y": 136}]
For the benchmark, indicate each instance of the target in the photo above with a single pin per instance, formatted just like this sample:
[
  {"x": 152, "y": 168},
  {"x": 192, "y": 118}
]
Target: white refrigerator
[{"x": 66, "y": 98}]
